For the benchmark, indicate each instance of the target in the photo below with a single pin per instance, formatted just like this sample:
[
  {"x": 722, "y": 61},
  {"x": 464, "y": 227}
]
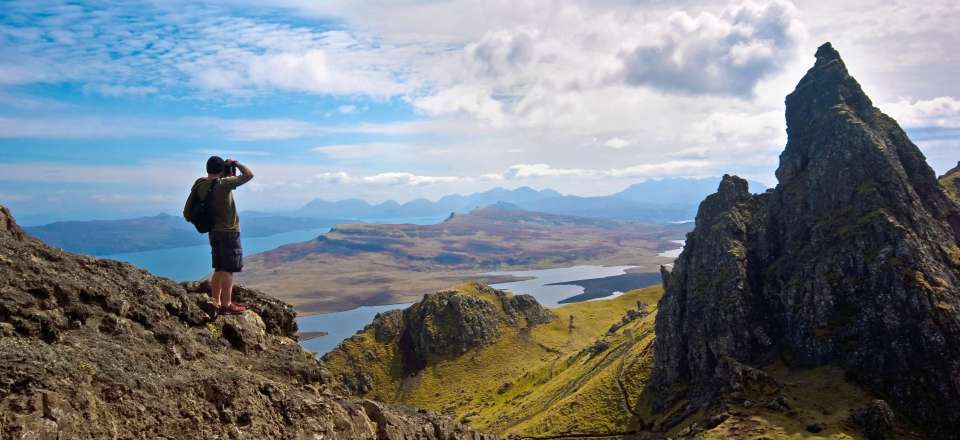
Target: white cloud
[
  {"x": 261, "y": 129},
  {"x": 942, "y": 112},
  {"x": 385, "y": 179},
  {"x": 77, "y": 128},
  {"x": 175, "y": 52},
  {"x": 724, "y": 54},
  {"x": 646, "y": 170},
  {"x": 346, "y": 109},
  {"x": 409, "y": 179},
  {"x": 314, "y": 71}
]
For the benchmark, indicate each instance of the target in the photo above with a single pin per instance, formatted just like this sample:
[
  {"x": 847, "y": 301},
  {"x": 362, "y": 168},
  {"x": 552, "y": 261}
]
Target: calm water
[
  {"x": 674, "y": 253},
  {"x": 550, "y": 296},
  {"x": 341, "y": 325},
  {"x": 193, "y": 262}
]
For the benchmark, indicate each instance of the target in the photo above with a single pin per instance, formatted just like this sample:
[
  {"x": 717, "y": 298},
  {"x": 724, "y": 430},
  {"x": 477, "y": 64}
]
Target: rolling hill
[{"x": 367, "y": 264}]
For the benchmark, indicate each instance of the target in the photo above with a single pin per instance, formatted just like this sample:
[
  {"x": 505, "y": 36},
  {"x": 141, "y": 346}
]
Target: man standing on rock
[{"x": 225, "y": 233}]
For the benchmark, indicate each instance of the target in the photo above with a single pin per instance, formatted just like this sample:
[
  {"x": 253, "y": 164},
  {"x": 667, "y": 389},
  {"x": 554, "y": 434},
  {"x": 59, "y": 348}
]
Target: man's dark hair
[{"x": 215, "y": 165}]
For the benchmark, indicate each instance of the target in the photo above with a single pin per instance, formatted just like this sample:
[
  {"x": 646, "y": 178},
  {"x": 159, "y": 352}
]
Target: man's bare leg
[
  {"x": 226, "y": 289},
  {"x": 216, "y": 288}
]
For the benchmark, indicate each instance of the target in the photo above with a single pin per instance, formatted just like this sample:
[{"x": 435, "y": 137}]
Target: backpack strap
[{"x": 206, "y": 198}]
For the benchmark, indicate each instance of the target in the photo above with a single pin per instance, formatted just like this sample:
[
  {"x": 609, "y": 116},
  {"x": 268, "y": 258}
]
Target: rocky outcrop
[
  {"x": 93, "y": 349},
  {"x": 447, "y": 323},
  {"x": 851, "y": 260},
  {"x": 452, "y": 322},
  {"x": 443, "y": 324}
]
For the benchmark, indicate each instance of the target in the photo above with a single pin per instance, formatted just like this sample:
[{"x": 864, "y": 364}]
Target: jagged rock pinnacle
[
  {"x": 826, "y": 53},
  {"x": 852, "y": 260}
]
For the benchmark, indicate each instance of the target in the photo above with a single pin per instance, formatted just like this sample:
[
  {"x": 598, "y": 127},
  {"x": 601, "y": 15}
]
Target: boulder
[{"x": 245, "y": 331}]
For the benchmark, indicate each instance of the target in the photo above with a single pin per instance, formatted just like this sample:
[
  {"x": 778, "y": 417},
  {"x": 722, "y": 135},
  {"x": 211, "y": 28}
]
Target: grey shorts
[{"x": 226, "y": 251}]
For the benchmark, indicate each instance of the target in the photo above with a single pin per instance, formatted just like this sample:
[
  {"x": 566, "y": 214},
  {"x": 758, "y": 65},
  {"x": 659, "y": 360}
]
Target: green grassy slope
[
  {"x": 951, "y": 183},
  {"x": 555, "y": 382}
]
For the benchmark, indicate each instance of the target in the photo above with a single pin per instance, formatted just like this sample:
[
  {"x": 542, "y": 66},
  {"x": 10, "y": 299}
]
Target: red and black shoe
[{"x": 233, "y": 309}]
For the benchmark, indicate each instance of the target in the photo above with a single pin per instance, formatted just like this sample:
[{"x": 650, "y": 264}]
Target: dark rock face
[
  {"x": 387, "y": 325},
  {"x": 447, "y": 323},
  {"x": 450, "y": 322},
  {"x": 852, "y": 261},
  {"x": 523, "y": 309},
  {"x": 93, "y": 349}
]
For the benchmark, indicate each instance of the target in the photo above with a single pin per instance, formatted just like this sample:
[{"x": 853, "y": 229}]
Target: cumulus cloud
[
  {"x": 546, "y": 71},
  {"x": 726, "y": 54}
]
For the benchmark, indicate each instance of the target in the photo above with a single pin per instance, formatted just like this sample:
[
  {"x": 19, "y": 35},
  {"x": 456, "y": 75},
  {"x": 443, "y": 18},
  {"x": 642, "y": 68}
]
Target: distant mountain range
[
  {"x": 663, "y": 200},
  {"x": 163, "y": 231},
  {"x": 653, "y": 201}
]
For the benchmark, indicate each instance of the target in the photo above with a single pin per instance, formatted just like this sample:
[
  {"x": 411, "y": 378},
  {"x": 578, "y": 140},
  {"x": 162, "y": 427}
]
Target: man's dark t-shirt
[{"x": 224, "y": 209}]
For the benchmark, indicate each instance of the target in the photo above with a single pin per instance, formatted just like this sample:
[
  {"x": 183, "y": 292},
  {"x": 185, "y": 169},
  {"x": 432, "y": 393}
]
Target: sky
[{"x": 110, "y": 108}]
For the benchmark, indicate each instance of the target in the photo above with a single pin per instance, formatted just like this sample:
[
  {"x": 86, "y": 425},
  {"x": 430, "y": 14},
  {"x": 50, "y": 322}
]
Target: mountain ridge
[{"x": 655, "y": 200}]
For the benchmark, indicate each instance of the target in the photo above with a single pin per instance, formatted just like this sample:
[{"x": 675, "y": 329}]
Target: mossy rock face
[
  {"x": 454, "y": 321},
  {"x": 849, "y": 262},
  {"x": 447, "y": 323}
]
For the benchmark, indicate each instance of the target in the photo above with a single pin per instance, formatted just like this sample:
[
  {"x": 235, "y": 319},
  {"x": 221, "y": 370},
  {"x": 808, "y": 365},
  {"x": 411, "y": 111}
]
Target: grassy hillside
[
  {"x": 951, "y": 183},
  {"x": 552, "y": 381}
]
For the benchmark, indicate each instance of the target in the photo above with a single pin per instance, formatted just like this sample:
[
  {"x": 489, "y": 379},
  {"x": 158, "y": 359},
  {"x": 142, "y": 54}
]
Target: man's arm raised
[{"x": 245, "y": 175}]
